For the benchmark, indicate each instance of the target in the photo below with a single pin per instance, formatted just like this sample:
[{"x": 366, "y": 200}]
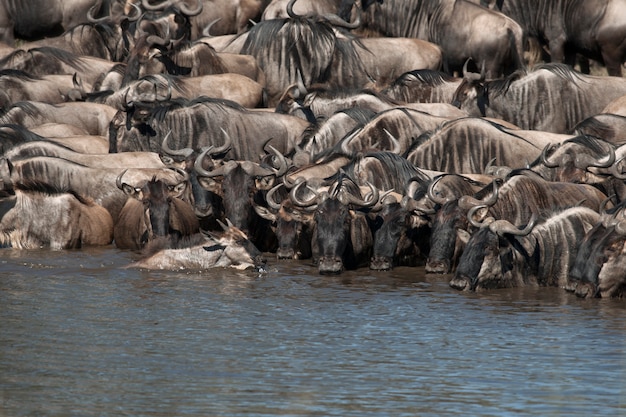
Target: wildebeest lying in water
[{"x": 229, "y": 249}]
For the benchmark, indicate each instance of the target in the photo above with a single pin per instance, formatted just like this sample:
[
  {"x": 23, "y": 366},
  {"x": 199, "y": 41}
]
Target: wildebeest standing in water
[
  {"x": 154, "y": 209},
  {"x": 40, "y": 215},
  {"x": 499, "y": 255}
]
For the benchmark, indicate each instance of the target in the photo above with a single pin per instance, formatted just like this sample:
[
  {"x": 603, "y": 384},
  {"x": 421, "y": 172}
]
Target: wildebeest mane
[
  {"x": 159, "y": 112},
  {"x": 66, "y": 57},
  {"x": 593, "y": 126},
  {"x": 170, "y": 81},
  {"x": 19, "y": 74},
  {"x": 261, "y": 42},
  {"x": 359, "y": 114},
  {"x": 36, "y": 186}
]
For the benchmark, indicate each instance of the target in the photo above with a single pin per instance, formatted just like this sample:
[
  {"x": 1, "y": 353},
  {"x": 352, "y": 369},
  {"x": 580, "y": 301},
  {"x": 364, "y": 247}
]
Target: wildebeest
[
  {"x": 342, "y": 235},
  {"x": 499, "y": 255},
  {"x": 48, "y": 60},
  {"x": 595, "y": 29},
  {"x": 598, "y": 270},
  {"x": 460, "y": 28},
  {"x": 467, "y": 145},
  {"x": 204, "y": 122},
  {"x": 240, "y": 184},
  {"x": 102, "y": 160},
  {"x": 398, "y": 240},
  {"x": 230, "y": 249},
  {"x": 606, "y": 126},
  {"x": 423, "y": 86},
  {"x": 292, "y": 226},
  {"x": 153, "y": 210},
  {"x": 46, "y": 18},
  {"x": 94, "y": 118},
  {"x": 521, "y": 194},
  {"x": 96, "y": 183},
  {"x": 283, "y": 50},
  {"x": 160, "y": 88},
  {"x": 549, "y": 97},
  {"x": 40, "y": 215},
  {"x": 108, "y": 37},
  {"x": 18, "y": 86}
]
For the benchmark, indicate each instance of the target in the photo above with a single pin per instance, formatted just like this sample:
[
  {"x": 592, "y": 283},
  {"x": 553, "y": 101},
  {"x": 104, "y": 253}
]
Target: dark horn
[
  {"x": 269, "y": 197},
  {"x": 182, "y": 6},
  {"x": 159, "y": 6},
  {"x": 501, "y": 227},
  {"x": 544, "y": 157},
  {"x": 431, "y": 192},
  {"x": 118, "y": 180},
  {"x": 185, "y": 152}
]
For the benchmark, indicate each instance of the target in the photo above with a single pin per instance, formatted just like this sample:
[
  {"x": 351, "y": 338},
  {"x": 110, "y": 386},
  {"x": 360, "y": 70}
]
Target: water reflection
[{"x": 82, "y": 336}]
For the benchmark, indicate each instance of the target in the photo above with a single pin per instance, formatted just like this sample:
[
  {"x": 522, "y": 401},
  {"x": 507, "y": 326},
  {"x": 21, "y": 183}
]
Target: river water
[{"x": 82, "y": 336}]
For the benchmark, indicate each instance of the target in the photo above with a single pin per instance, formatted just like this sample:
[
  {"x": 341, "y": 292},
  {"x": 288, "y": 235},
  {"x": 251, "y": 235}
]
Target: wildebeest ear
[
  {"x": 177, "y": 190},
  {"x": 210, "y": 184},
  {"x": 463, "y": 235},
  {"x": 264, "y": 213},
  {"x": 131, "y": 191}
]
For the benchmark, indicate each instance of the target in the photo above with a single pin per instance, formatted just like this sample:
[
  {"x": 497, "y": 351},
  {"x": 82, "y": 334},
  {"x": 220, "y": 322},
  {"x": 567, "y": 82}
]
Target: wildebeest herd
[{"x": 466, "y": 137}]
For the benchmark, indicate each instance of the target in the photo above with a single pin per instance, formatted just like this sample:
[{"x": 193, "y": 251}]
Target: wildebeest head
[
  {"x": 451, "y": 230},
  {"x": 154, "y": 210},
  {"x": 598, "y": 270},
  {"x": 342, "y": 236},
  {"x": 292, "y": 225},
  {"x": 582, "y": 159},
  {"x": 490, "y": 257},
  {"x": 399, "y": 240},
  {"x": 240, "y": 184}
]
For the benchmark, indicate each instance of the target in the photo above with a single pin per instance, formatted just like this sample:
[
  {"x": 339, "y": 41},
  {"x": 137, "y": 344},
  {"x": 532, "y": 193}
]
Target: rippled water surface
[{"x": 82, "y": 336}]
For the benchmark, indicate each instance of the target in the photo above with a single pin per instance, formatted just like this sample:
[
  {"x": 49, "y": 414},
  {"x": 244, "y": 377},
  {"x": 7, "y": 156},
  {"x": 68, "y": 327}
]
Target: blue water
[{"x": 81, "y": 336}]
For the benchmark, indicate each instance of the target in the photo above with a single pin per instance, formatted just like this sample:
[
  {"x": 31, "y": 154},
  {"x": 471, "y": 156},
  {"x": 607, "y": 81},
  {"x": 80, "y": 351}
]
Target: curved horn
[
  {"x": 470, "y": 216},
  {"x": 397, "y": 147},
  {"x": 137, "y": 15},
  {"x": 158, "y": 6},
  {"x": 584, "y": 161},
  {"x": 283, "y": 165},
  {"x": 197, "y": 165},
  {"x": 293, "y": 195},
  {"x": 185, "y": 152},
  {"x": 182, "y": 6},
  {"x": 544, "y": 157},
  {"x": 620, "y": 228},
  {"x": 371, "y": 199},
  {"x": 614, "y": 169},
  {"x": 472, "y": 76},
  {"x": 269, "y": 197},
  {"x": 335, "y": 20},
  {"x": 228, "y": 144},
  {"x": 431, "y": 192},
  {"x": 118, "y": 180},
  {"x": 207, "y": 29},
  {"x": 466, "y": 202},
  {"x": 91, "y": 11},
  {"x": 501, "y": 227},
  {"x": 602, "y": 208},
  {"x": 290, "y": 12}
]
